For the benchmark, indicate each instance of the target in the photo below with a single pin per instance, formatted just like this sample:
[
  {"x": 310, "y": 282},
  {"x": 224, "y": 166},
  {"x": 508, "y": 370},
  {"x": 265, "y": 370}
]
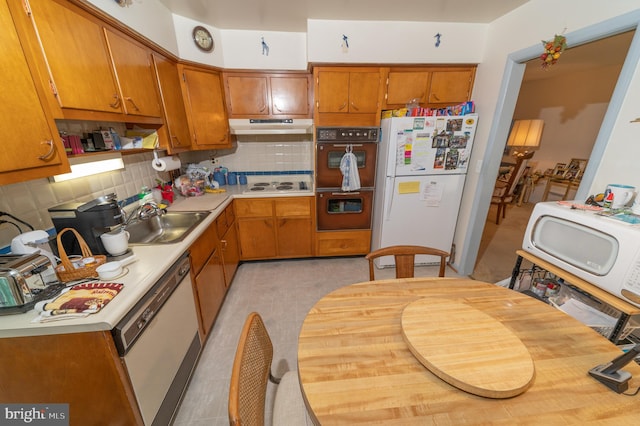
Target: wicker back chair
[
  {"x": 248, "y": 388},
  {"x": 405, "y": 259}
]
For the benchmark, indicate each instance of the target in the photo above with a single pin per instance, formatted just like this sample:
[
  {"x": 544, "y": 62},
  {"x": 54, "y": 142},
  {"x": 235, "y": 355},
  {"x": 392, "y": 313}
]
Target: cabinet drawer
[
  {"x": 254, "y": 208},
  {"x": 202, "y": 248},
  {"x": 293, "y": 207}
]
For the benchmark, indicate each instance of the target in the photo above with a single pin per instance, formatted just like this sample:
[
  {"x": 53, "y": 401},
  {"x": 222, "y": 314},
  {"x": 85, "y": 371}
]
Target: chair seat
[{"x": 288, "y": 407}]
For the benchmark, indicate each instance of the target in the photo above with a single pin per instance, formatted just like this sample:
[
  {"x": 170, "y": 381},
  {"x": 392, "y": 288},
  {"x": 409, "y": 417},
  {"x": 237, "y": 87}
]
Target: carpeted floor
[{"x": 496, "y": 255}]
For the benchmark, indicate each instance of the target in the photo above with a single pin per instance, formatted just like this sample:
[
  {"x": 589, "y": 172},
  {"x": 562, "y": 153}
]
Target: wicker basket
[{"x": 66, "y": 271}]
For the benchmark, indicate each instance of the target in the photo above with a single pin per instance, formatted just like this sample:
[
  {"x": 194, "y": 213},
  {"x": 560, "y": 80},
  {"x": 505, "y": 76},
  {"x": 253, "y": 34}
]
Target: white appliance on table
[{"x": 422, "y": 165}]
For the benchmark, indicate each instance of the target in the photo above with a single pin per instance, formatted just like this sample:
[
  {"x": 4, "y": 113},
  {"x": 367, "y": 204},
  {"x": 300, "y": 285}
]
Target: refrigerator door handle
[{"x": 390, "y": 187}]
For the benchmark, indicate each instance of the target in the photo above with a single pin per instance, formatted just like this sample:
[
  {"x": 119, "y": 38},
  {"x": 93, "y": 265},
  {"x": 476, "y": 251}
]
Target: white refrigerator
[{"x": 422, "y": 165}]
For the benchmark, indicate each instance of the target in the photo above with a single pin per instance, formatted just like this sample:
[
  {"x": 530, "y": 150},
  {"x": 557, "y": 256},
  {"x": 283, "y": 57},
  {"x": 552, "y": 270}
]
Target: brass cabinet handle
[
  {"x": 132, "y": 103},
  {"x": 264, "y": 107},
  {"x": 50, "y": 152},
  {"x": 223, "y": 243},
  {"x": 342, "y": 106},
  {"x": 354, "y": 106},
  {"x": 116, "y": 103}
]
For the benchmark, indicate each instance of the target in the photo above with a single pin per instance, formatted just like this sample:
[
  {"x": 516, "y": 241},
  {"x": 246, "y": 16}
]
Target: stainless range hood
[{"x": 269, "y": 126}]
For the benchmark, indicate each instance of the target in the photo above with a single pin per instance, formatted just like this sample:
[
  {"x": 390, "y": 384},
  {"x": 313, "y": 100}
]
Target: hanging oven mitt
[{"x": 349, "y": 169}]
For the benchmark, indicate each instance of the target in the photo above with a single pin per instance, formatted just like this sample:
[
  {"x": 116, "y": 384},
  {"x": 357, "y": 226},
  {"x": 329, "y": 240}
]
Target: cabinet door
[
  {"x": 403, "y": 87},
  {"x": 257, "y": 238},
  {"x": 77, "y": 57},
  {"x": 210, "y": 291},
  {"x": 135, "y": 76},
  {"x": 294, "y": 237},
  {"x": 294, "y": 232},
  {"x": 332, "y": 91},
  {"x": 230, "y": 253},
  {"x": 247, "y": 95},
  {"x": 171, "y": 96},
  {"x": 290, "y": 95},
  {"x": 451, "y": 87},
  {"x": 31, "y": 144},
  {"x": 205, "y": 106},
  {"x": 364, "y": 88}
]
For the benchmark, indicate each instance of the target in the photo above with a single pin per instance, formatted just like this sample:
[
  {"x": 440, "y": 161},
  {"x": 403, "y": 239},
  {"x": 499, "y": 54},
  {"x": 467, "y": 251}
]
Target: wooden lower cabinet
[
  {"x": 210, "y": 289},
  {"x": 229, "y": 248},
  {"x": 79, "y": 369},
  {"x": 208, "y": 278},
  {"x": 271, "y": 228},
  {"x": 214, "y": 262},
  {"x": 343, "y": 243},
  {"x": 230, "y": 254}
]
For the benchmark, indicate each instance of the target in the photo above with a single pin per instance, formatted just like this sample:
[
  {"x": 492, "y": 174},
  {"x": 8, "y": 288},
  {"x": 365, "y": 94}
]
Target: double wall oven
[{"x": 338, "y": 209}]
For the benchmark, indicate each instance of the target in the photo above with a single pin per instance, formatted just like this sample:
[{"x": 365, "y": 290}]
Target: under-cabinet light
[{"x": 92, "y": 165}]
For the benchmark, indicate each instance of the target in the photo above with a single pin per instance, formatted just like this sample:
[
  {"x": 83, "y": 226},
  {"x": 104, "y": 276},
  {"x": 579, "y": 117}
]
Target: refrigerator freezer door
[
  {"x": 415, "y": 146},
  {"x": 420, "y": 210}
]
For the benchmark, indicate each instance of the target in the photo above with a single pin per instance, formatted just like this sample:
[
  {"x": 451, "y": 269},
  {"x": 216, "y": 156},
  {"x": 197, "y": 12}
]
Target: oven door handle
[
  {"x": 346, "y": 194},
  {"x": 344, "y": 145}
]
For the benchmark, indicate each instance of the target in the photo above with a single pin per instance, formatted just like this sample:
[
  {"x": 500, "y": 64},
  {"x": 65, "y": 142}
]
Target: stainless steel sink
[{"x": 169, "y": 228}]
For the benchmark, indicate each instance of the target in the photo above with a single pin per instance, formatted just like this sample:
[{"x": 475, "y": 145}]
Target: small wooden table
[
  {"x": 568, "y": 184},
  {"x": 356, "y": 368}
]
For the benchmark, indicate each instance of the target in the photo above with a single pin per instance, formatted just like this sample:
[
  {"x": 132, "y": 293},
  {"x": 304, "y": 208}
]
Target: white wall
[
  {"x": 620, "y": 160},
  {"x": 394, "y": 42},
  {"x": 150, "y": 18}
]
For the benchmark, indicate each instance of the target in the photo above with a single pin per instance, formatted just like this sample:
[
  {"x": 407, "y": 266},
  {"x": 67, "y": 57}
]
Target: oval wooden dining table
[{"x": 355, "y": 366}]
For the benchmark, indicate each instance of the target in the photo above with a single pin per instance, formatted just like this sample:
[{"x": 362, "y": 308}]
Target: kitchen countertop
[{"x": 142, "y": 274}]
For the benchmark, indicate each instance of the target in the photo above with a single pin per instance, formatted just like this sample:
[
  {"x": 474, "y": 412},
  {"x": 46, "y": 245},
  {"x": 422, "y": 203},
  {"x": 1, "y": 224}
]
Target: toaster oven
[
  {"x": 26, "y": 280},
  {"x": 601, "y": 250}
]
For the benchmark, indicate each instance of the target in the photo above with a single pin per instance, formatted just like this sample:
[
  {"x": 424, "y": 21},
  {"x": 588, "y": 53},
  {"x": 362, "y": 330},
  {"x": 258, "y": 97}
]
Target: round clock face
[{"x": 202, "y": 38}]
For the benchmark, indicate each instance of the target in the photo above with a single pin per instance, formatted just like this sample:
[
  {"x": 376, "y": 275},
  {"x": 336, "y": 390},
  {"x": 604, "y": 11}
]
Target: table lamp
[{"x": 525, "y": 136}]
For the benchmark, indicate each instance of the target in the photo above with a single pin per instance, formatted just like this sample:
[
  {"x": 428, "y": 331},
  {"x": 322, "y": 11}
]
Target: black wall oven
[{"x": 337, "y": 209}]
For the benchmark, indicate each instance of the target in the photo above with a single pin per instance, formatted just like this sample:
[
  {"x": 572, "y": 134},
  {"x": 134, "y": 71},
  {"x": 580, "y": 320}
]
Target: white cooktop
[{"x": 274, "y": 184}]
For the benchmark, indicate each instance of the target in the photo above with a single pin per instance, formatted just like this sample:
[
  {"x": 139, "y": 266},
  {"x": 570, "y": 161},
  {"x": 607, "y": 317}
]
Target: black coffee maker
[{"x": 90, "y": 219}]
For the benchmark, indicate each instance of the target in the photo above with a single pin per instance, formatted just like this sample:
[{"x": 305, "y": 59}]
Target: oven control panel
[{"x": 349, "y": 134}]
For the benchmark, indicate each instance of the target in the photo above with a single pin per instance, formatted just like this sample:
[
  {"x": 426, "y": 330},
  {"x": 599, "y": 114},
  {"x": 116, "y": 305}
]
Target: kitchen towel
[
  {"x": 165, "y": 164},
  {"x": 349, "y": 169},
  {"x": 78, "y": 301}
]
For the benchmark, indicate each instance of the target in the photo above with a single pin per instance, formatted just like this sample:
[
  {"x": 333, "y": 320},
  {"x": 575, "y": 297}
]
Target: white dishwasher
[{"x": 159, "y": 343}]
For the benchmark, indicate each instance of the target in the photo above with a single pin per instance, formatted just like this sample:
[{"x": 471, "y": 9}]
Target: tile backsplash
[{"x": 30, "y": 200}]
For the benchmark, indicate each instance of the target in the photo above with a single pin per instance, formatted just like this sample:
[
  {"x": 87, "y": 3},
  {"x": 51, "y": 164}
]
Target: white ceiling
[{"x": 292, "y": 15}]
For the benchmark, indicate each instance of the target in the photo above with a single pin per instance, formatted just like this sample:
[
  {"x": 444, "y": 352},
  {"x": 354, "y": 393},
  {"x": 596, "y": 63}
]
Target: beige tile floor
[{"x": 282, "y": 292}]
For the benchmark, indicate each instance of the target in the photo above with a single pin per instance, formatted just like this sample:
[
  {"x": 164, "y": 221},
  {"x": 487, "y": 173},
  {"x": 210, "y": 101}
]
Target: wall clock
[{"x": 203, "y": 39}]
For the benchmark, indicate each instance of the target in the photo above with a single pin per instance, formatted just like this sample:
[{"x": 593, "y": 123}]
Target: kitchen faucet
[{"x": 144, "y": 212}]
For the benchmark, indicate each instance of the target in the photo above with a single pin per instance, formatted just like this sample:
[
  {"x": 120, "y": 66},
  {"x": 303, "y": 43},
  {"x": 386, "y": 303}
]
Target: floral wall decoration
[{"x": 552, "y": 50}]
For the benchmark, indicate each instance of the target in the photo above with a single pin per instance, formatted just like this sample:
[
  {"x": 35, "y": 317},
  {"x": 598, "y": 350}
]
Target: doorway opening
[{"x": 572, "y": 98}]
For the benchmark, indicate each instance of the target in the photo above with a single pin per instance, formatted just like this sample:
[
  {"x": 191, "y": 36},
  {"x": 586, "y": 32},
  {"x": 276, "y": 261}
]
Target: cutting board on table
[{"x": 467, "y": 348}]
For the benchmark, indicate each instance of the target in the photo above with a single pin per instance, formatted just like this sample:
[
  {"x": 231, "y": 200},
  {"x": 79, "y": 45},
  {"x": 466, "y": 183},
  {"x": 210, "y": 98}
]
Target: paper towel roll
[{"x": 164, "y": 164}]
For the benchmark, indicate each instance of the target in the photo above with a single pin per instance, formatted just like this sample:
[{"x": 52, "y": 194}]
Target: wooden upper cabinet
[
  {"x": 77, "y": 56},
  {"x": 175, "y": 115},
  {"x": 348, "y": 96},
  {"x": 268, "y": 95},
  {"x": 132, "y": 62},
  {"x": 405, "y": 86},
  {"x": 451, "y": 87},
  {"x": 92, "y": 69},
  {"x": 31, "y": 147},
  {"x": 291, "y": 95},
  {"x": 204, "y": 100},
  {"x": 428, "y": 86}
]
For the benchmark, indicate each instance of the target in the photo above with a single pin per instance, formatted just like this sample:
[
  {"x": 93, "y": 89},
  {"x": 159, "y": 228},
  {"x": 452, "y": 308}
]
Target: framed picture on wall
[
  {"x": 559, "y": 169},
  {"x": 577, "y": 164}
]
